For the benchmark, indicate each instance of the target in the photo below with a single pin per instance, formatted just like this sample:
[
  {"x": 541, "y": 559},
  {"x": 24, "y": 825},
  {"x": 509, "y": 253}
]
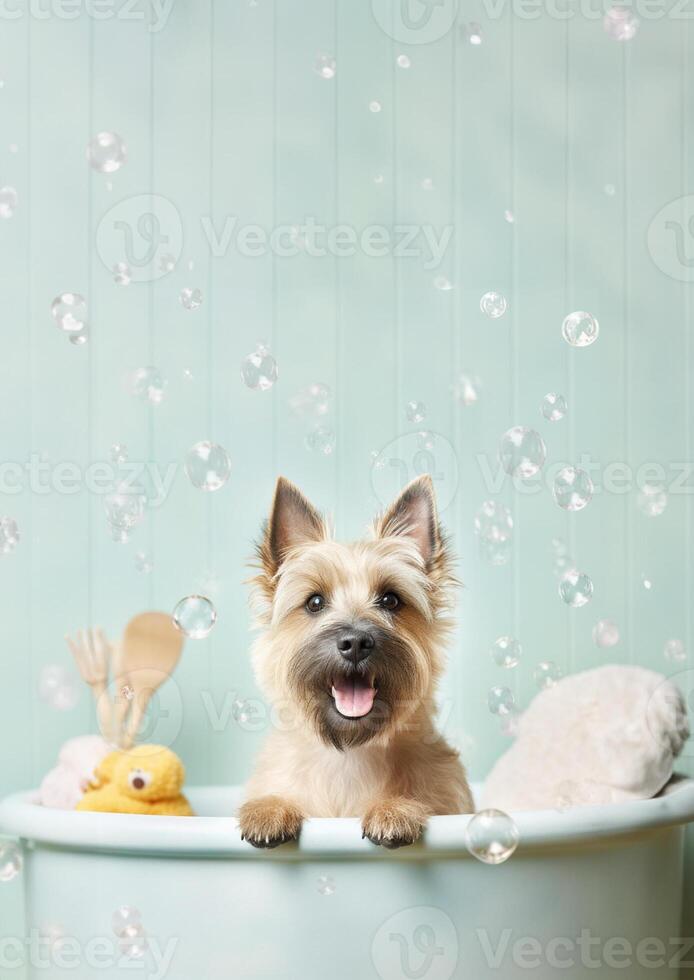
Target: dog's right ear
[{"x": 293, "y": 522}]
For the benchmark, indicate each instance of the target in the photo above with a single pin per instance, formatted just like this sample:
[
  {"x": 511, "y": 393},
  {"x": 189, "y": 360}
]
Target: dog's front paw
[
  {"x": 269, "y": 821},
  {"x": 394, "y": 822}
]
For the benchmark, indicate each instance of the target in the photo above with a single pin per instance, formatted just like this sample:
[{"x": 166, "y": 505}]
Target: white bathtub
[{"x": 592, "y": 892}]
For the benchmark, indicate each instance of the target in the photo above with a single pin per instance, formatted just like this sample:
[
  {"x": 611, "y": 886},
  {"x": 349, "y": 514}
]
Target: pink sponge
[{"x": 65, "y": 784}]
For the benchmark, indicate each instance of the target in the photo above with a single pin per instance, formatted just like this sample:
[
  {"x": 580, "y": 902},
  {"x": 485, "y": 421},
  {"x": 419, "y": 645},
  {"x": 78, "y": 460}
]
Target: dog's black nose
[{"x": 355, "y": 644}]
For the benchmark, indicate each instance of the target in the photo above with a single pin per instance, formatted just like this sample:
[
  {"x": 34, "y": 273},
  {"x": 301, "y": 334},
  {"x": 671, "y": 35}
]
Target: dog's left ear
[{"x": 413, "y": 514}]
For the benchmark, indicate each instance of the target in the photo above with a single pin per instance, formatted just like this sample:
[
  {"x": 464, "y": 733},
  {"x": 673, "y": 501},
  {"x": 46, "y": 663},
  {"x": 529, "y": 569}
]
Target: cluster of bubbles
[
  {"x": 620, "y": 22},
  {"x": 321, "y": 440},
  {"x": 494, "y": 529},
  {"x": 554, "y": 407},
  {"x": 124, "y": 511},
  {"x": 190, "y": 298},
  {"x": 501, "y": 701},
  {"x": 546, "y": 674},
  {"x": 415, "y": 411},
  {"x": 57, "y": 688},
  {"x": 605, "y": 634},
  {"x": 9, "y": 200},
  {"x": 652, "y": 500},
  {"x": 10, "y": 861},
  {"x": 208, "y": 466},
  {"x": 326, "y": 66},
  {"x": 69, "y": 310},
  {"x": 259, "y": 369},
  {"x": 195, "y": 615},
  {"x": 143, "y": 562},
  {"x": 325, "y": 885},
  {"x": 491, "y": 836},
  {"x": 522, "y": 452},
  {"x": 575, "y": 588},
  {"x": 580, "y": 329},
  {"x": 9, "y": 535},
  {"x": 148, "y": 384},
  {"x": 493, "y": 305},
  {"x": 573, "y": 488},
  {"x": 506, "y": 652},
  {"x": 106, "y": 152},
  {"x": 127, "y": 926}
]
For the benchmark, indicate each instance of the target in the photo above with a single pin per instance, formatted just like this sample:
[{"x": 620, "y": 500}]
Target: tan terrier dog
[{"x": 352, "y": 645}]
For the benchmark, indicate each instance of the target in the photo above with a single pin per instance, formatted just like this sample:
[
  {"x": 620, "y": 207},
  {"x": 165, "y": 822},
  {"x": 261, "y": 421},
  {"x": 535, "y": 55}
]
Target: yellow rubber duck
[{"x": 144, "y": 779}]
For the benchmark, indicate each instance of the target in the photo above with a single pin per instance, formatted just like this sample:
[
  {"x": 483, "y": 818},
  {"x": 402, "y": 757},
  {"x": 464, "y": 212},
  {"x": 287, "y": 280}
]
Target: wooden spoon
[{"x": 147, "y": 656}]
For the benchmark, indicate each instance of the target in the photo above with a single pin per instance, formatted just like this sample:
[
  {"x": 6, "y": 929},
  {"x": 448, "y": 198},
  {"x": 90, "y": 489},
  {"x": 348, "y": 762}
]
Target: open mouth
[{"x": 353, "y": 696}]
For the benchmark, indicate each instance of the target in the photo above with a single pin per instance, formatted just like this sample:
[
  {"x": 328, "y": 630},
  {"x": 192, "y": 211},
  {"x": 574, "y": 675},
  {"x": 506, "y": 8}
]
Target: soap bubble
[
  {"x": 652, "y": 500},
  {"x": 124, "y": 917},
  {"x": 605, "y": 633},
  {"x": 620, "y": 23},
  {"x": 8, "y": 202},
  {"x": 427, "y": 184},
  {"x": 66, "y": 696},
  {"x": 106, "y": 153},
  {"x": 575, "y": 588},
  {"x": 326, "y": 66},
  {"x": 124, "y": 510},
  {"x": 500, "y": 700},
  {"x": 473, "y": 34},
  {"x": 259, "y": 369},
  {"x": 143, "y": 562},
  {"x": 10, "y": 861},
  {"x": 610, "y": 190},
  {"x": 466, "y": 390},
  {"x": 208, "y": 466},
  {"x": 326, "y": 885},
  {"x": 647, "y": 583},
  {"x": 403, "y": 61},
  {"x": 522, "y": 452},
  {"x": 509, "y": 217},
  {"x": 493, "y": 305},
  {"x": 311, "y": 401},
  {"x": 375, "y": 106},
  {"x": 190, "y": 298},
  {"x": 122, "y": 274},
  {"x": 580, "y": 329},
  {"x": 79, "y": 337},
  {"x": 57, "y": 687},
  {"x": 554, "y": 407},
  {"x": 674, "y": 651},
  {"x": 493, "y": 521},
  {"x": 149, "y": 385},
  {"x": 69, "y": 310},
  {"x": 443, "y": 284},
  {"x": 119, "y": 452},
  {"x": 241, "y": 711},
  {"x": 506, "y": 652},
  {"x": 9, "y": 535},
  {"x": 167, "y": 262},
  {"x": 320, "y": 439},
  {"x": 491, "y": 836},
  {"x": 132, "y": 942},
  {"x": 415, "y": 411},
  {"x": 546, "y": 674},
  {"x": 195, "y": 616},
  {"x": 496, "y": 553},
  {"x": 573, "y": 488}
]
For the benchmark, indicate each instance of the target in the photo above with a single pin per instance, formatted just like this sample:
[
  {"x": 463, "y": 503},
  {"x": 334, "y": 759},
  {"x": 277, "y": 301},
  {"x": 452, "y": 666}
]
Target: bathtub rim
[{"x": 208, "y": 836}]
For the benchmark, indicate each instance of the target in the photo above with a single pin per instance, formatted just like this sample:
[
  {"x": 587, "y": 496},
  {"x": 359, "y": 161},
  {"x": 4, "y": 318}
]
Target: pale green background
[{"x": 224, "y": 115}]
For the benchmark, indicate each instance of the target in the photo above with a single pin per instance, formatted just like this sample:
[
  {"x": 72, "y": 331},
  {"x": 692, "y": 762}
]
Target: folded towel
[{"x": 601, "y": 736}]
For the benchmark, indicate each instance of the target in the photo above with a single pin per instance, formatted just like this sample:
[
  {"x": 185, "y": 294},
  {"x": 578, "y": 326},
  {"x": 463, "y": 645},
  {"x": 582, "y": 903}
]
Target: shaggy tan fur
[{"x": 391, "y": 767}]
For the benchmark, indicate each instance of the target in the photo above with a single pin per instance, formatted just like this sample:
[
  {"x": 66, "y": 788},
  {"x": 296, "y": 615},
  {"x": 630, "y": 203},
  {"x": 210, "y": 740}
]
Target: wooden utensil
[
  {"x": 92, "y": 654},
  {"x": 147, "y": 655}
]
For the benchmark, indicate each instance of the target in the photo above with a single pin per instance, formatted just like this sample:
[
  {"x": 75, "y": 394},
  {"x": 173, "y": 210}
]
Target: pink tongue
[{"x": 354, "y": 698}]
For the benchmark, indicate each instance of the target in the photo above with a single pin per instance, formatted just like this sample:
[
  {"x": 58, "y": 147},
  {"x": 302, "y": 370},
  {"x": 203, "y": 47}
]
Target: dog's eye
[
  {"x": 389, "y": 601},
  {"x": 315, "y": 603}
]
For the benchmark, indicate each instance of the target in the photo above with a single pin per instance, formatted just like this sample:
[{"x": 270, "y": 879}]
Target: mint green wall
[{"x": 224, "y": 115}]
